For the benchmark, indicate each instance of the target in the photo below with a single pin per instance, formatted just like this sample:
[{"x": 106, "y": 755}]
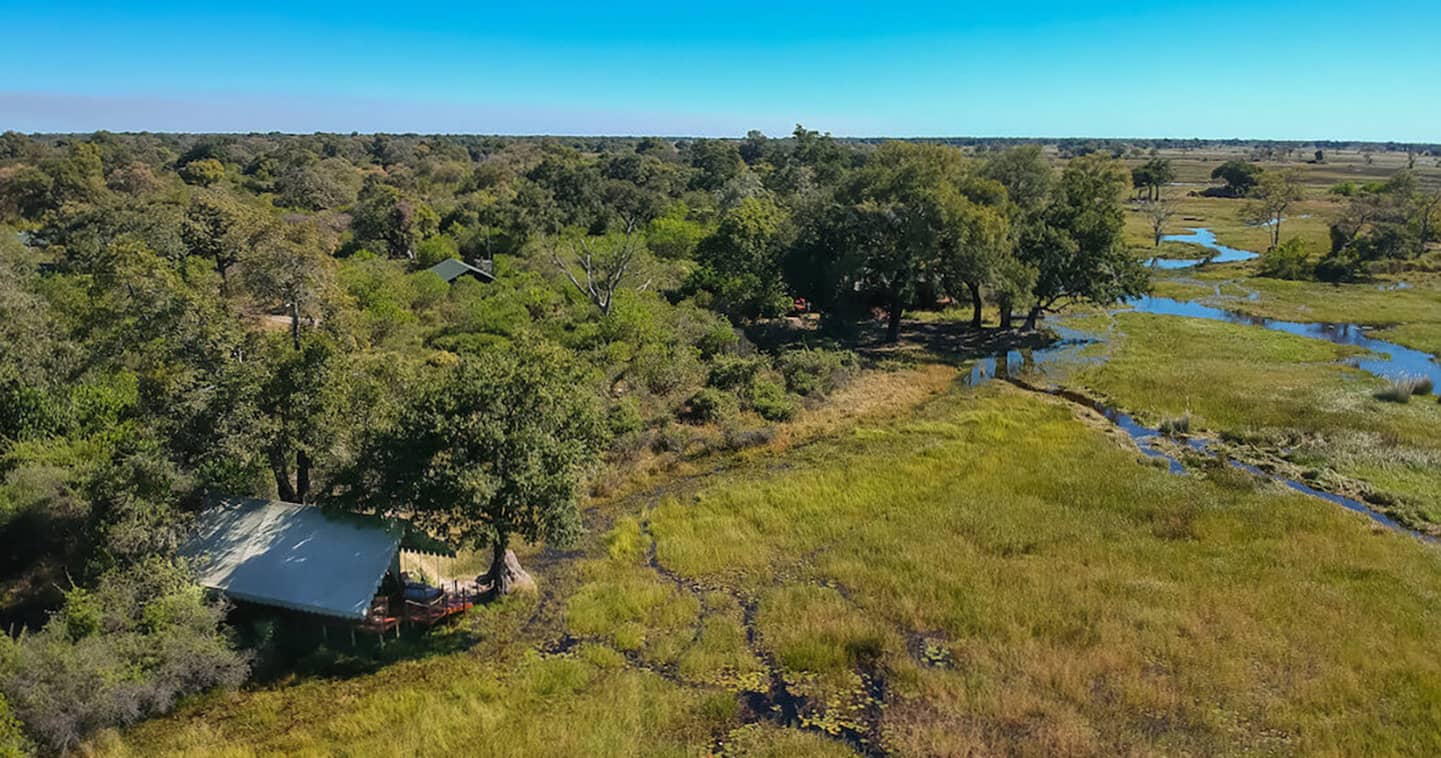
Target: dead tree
[{"x": 603, "y": 263}]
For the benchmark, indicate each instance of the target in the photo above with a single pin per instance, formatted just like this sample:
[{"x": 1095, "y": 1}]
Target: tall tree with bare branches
[{"x": 599, "y": 267}]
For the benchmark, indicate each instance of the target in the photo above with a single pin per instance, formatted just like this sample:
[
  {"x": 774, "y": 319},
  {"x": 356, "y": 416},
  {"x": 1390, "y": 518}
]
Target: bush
[
  {"x": 203, "y": 172},
  {"x": 709, "y": 404},
  {"x": 664, "y": 369},
  {"x": 740, "y": 438},
  {"x": 719, "y": 338},
  {"x": 13, "y": 743},
  {"x": 1286, "y": 261},
  {"x": 816, "y": 373},
  {"x": 730, "y": 373},
  {"x": 625, "y": 417},
  {"x": 435, "y": 249},
  {"x": 1338, "y": 267},
  {"x": 128, "y": 649},
  {"x": 768, "y": 397}
]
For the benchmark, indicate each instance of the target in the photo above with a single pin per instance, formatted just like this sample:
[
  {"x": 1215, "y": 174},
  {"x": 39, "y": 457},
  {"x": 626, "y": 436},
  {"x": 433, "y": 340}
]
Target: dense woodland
[{"x": 190, "y": 315}]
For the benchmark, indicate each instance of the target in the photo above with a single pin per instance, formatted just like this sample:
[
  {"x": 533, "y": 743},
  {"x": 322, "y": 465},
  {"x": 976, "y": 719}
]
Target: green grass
[
  {"x": 1309, "y": 219},
  {"x": 969, "y": 562},
  {"x": 1080, "y": 617},
  {"x": 1409, "y": 316},
  {"x": 513, "y": 703},
  {"x": 1275, "y": 390},
  {"x": 1176, "y": 250}
]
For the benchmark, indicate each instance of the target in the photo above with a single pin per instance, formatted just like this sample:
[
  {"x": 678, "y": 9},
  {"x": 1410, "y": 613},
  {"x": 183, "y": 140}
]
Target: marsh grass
[
  {"x": 1271, "y": 390},
  {"x": 1052, "y": 584},
  {"x": 1176, "y": 426},
  {"x": 1401, "y": 390},
  {"x": 1396, "y": 391},
  {"x": 1086, "y": 604},
  {"x": 1409, "y": 316}
]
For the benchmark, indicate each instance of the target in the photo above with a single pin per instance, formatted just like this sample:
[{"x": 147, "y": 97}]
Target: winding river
[
  {"x": 1384, "y": 359},
  {"x": 1207, "y": 239}
]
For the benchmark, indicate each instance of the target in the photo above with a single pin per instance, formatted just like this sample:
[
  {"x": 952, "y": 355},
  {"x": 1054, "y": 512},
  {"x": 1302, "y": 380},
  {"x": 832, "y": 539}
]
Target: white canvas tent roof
[{"x": 293, "y": 556}]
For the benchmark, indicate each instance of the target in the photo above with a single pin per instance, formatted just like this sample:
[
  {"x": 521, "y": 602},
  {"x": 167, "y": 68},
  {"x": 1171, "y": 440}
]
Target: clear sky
[{"x": 1324, "y": 69}]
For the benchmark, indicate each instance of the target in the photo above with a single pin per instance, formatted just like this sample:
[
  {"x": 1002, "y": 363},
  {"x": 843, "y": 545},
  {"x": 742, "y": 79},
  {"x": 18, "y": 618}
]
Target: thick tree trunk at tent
[
  {"x": 302, "y": 476},
  {"x": 893, "y": 322},
  {"x": 1005, "y": 313},
  {"x": 280, "y": 467},
  {"x": 976, "y": 304},
  {"x": 500, "y": 578}
]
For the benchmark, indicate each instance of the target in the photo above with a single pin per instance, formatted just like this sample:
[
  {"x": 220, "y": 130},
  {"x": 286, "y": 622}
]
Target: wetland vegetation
[{"x": 770, "y": 497}]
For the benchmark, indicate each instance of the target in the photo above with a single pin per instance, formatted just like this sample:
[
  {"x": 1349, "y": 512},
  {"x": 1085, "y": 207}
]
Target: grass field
[
  {"x": 952, "y": 579},
  {"x": 1409, "y": 315},
  {"x": 1278, "y": 392},
  {"x": 924, "y": 569}
]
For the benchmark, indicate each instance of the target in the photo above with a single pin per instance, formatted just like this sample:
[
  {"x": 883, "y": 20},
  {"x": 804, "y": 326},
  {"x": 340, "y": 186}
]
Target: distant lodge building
[
  {"x": 451, "y": 269},
  {"x": 304, "y": 558}
]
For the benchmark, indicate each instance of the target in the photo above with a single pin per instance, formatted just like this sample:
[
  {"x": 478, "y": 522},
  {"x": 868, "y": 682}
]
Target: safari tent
[{"x": 304, "y": 558}]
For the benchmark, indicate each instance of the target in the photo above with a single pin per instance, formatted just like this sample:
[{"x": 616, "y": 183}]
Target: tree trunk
[
  {"x": 295, "y": 324},
  {"x": 1033, "y": 318},
  {"x": 500, "y": 578},
  {"x": 282, "y": 476},
  {"x": 302, "y": 476},
  {"x": 893, "y": 322},
  {"x": 1005, "y": 313},
  {"x": 975, "y": 304}
]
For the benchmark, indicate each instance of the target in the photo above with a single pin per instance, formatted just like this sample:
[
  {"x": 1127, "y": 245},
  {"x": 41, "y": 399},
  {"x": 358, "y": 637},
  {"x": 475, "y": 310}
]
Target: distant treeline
[{"x": 481, "y": 144}]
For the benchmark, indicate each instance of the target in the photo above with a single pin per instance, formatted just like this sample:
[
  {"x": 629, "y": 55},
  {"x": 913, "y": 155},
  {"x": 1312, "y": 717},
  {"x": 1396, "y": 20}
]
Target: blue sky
[{"x": 1258, "y": 69}]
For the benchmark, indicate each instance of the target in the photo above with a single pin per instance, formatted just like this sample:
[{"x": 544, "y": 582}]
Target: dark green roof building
[{"x": 451, "y": 269}]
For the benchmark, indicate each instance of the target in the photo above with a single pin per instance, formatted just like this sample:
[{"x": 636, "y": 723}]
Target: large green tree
[
  {"x": 493, "y": 447},
  {"x": 917, "y": 216},
  {"x": 741, "y": 261},
  {"x": 393, "y": 219},
  {"x": 1079, "y": 252},
  {"x": 1239, "y": 176},
  {"x": 221, "y": 229}
]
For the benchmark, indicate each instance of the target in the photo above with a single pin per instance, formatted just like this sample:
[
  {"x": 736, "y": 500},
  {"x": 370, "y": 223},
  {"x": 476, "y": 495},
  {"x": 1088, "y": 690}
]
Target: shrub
[
  {"x": 719, "y": 338},
  {"x": 125, "y": 650},
  {"x": 1338, "y": 267},
  {"x": 13, "y": 743},
  {"x": 204, "y": 172},
  {"x": 673, "y": 236},
  {"x": 816, "y": 373},
  {"x": 709, "y": 404},
  {"x": 1286, "y": 261},
  {"x": 625, "y": 417},
  {"x": 1344, "y": 189},
  {"x": 664, "y": 370},
  {"x": 768, "y": 397},
  {"x": 739, "y": 438},
  {"x": 433, "y": 250},
  {"x": 732, "y": 372},
  {"x": 673, "y": 438}
]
